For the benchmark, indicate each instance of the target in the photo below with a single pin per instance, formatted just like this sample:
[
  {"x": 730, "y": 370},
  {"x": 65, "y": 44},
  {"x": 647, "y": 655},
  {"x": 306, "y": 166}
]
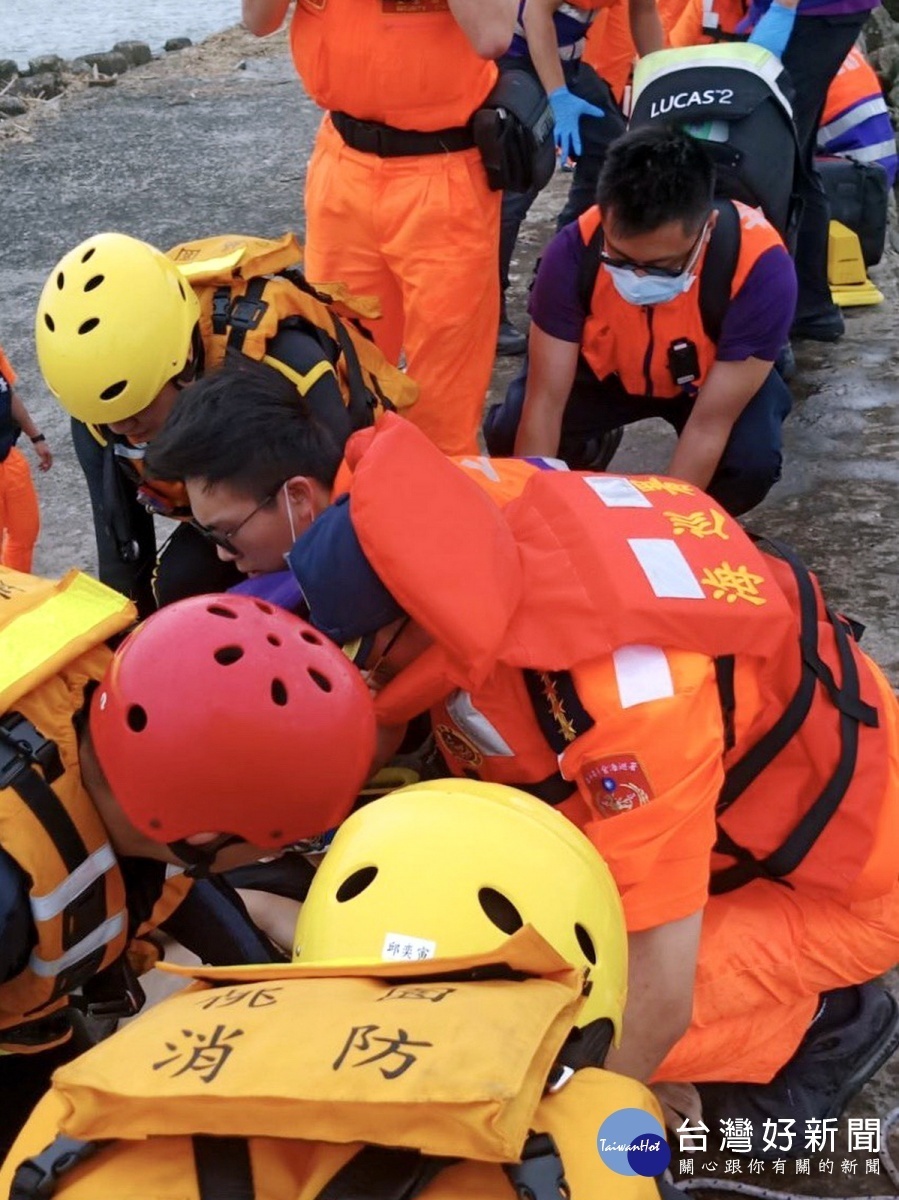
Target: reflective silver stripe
[
  {"x": 666, "y": 569},
  {"x": 873, "y": 153},
  {"x": 52, "y": 903},
  {"x": 642, "y": 674},
  {"x": 107, "y": 932},
  {"x": 476, "y": 727},
  {"x": 171, "y": 870},
  {"x": 874, "y": 107}
]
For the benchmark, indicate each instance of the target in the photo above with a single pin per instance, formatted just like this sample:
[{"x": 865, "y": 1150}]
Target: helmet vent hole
[
  {"x": 272, "y": 640},
  {"x": 60, "y": 280},
  {"x": 114, "y": 389},
  {"x": 585, "y": 941},
  {"x": 88, "y": 254},
  {"x": 181, "y": 290},
  {"x": 136, "y": 718},
  {"x": 226, "y": 655},
  {"x": 263, "y": 607},
  {"x": 320, "y": 681},
  {"x": 311, "y": 638},
  {"x": 279, "y": 692},
  {"x": 355, "y": 884},
  {"x": 500, "y": 910},
  {"x": 219, "y": 610},
  {"x": 48, "y": 321},
  {"x": 93, "y": 282},
  {"x": 89, "y": 324}
]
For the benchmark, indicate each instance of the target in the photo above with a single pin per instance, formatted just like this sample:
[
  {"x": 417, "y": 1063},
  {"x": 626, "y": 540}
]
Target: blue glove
[
  {"x": 774, "y": 29},
  {"x": 567, "y": 112}
]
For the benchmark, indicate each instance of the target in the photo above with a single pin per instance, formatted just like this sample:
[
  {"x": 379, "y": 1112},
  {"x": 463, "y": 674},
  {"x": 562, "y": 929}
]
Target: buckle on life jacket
[
  {"x": 540, "y": 1175},
  {"x": 38, "y": 1177},
  {"x": 246, "y": 313},
  {"x": 22, "y": 747},
  {"x": 114, "y": 993}
]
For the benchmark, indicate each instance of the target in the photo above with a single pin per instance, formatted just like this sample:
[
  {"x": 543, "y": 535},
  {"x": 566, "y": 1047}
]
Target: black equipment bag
[{"x": 513, "y": 130}]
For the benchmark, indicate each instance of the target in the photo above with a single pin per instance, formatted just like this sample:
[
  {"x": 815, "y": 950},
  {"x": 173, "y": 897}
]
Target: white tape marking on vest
[{"x": 642, "y": 674}]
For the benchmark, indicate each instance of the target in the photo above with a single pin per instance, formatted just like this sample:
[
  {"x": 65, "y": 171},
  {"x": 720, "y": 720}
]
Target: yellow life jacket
[
  {"x": 247, "y": 286},
  {"x": 432, "y": 1073},
  {"x": 51, "y": 647}
]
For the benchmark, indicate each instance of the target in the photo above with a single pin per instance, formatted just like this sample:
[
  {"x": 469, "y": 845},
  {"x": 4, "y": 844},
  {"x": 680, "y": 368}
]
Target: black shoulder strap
[
  {"x": 718, "y": 268},
  {"x": 384, "y": 1173},
  {"x": 589, "y": 269},
  {"x": 223, "y": 1166},
  {"x": 852, "y": 713}
]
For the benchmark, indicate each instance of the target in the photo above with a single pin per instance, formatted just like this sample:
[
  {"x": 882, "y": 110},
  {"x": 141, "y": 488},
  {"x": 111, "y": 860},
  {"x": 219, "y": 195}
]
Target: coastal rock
[
  {"x": 8, "y": 68},
  {"x": 12, "y": 106},
  {"x": 78, "y": 66},
  {"x": 885, "y": 62},
  {"x": 177, "y": 43},
  {"x": 45, "y": 63},
  {"x": 43, "y": 86},
  {"x": 137, "y": 53},
  {"x": 880, "y": 30},
  {"x": 111, "y": 62}
]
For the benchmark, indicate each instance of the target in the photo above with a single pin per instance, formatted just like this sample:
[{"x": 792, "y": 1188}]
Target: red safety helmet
[{"x": 226, "y": 714}]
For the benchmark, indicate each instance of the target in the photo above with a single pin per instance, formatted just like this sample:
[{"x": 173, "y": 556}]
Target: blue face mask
[{"x": 648, "y": 289}]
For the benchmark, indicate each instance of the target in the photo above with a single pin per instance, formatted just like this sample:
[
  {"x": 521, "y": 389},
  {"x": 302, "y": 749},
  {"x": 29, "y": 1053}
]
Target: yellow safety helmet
[
  {"x": 455, "y": 867},
  {"x": 114, "y": 324}
]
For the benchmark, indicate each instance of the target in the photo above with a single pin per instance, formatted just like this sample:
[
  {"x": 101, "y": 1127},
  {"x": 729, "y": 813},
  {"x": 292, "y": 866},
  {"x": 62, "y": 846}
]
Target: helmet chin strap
[{"x": 200, "y": 858}]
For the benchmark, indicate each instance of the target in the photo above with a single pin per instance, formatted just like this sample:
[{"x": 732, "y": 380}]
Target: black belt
[{"x": 385, "y": 141}]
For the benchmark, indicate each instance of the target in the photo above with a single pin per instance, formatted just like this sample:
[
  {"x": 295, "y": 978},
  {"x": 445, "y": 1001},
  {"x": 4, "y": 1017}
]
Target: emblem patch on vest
[
  {"x": 458, "y": 746},
  {"x": 617, "y": 785}
]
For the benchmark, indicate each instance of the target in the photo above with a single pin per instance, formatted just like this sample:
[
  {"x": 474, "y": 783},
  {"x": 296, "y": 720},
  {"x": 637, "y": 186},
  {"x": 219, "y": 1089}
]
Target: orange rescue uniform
[
  {"x": 610, "y": 48},
  {"x": 20, "y": 518},
  {"x": 588, "y": 675},
  {"x": 421, "y": 232}
]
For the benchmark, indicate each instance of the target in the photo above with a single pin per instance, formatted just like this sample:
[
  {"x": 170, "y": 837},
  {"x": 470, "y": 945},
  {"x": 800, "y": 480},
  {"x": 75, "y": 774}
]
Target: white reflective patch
[
  {"x": 52, "y": 903},
  {"x": 472, "y": 722},
  {"x": 402, "y": 948},
  {"x": 616, "y": 492},
  {"x": 103, "y": 934},
  {"x": 484, "y": 465},
  {"x": 642, "y": 674},
  {"x": 171, "y": 870},
  {"x": 665, "y": 567}
]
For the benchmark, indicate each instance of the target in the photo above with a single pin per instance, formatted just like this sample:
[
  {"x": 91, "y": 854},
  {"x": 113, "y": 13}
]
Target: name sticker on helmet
[{"x": 398, "y": 947}]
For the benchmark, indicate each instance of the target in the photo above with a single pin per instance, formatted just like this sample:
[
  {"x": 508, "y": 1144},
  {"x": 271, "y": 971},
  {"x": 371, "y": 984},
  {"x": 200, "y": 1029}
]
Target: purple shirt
[{"x": 756, "y": 324}]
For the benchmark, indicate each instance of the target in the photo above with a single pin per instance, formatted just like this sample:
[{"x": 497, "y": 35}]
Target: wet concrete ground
[{"x": 202, "y": 144}]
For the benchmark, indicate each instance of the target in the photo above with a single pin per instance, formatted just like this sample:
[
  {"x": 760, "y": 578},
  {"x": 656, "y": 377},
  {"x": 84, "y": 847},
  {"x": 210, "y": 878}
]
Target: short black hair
[
  {"x": 245, "y": 425},
  {"x": 654, "y": 175}
]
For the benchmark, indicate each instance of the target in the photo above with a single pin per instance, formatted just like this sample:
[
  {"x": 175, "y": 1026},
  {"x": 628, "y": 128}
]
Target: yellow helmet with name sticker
[{"x": 454, "y": 867}]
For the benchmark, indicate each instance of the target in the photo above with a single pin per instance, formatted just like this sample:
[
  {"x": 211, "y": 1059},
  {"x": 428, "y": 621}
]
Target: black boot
[{"x": 509, "y": 341}]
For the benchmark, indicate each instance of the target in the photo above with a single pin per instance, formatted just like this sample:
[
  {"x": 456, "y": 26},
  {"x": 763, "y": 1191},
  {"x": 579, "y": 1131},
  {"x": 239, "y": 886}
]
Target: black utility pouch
[
  {"x": 513, "y": 130},
  {"x": 683, "y": 362}
]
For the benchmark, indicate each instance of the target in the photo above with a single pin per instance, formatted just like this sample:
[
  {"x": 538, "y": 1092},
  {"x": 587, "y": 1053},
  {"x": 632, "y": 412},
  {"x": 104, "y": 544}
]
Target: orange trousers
[
  {"x": 20, "y": 519},
  {"x": 421, "y": 234},
  {"x": 766, "y": 954}
]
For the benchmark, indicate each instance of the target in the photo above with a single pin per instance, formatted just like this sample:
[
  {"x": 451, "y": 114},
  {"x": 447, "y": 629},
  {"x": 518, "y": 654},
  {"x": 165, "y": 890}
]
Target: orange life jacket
[
  {"x": 51, "y": 649},
  {"x": 633, "y": 342},
  {"x": 579, "y": 567},
  {"x": 405, "y": 63}
]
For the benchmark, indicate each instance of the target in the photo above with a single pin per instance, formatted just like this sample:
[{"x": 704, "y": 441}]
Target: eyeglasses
[
  {"x": 226, "y": 540},
  {"x": 627, "y": 264}
]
